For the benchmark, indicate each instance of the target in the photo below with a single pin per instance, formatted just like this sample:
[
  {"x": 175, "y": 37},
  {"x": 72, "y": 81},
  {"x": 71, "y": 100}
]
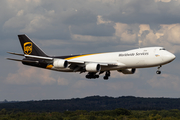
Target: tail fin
[{"x": 29, "y": 47}]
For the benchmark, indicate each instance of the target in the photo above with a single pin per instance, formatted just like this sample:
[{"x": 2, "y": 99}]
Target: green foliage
[
  {"x": 117, "y": 114},
  {"x": 3, "y": 112},
  {"x": 91, "y": 117}
]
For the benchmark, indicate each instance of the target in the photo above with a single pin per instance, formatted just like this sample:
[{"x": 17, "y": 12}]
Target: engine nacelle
[
  {"x": 60, "y": 63},
  {"x": 128, "y": 71},
  {"x": 93, "y": 67}
]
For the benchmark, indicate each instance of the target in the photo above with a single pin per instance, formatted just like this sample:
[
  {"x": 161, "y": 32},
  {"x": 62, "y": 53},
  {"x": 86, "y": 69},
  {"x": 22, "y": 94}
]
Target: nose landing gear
[{"x": 158, "y": 71}]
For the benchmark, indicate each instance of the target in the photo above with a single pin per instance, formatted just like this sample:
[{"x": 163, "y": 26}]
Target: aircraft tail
[{"x": 29, "y": 47}]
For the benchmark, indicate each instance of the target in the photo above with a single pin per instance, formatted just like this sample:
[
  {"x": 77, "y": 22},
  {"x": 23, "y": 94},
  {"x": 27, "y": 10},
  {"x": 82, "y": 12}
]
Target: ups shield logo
[{"x": 28, "y": 48}]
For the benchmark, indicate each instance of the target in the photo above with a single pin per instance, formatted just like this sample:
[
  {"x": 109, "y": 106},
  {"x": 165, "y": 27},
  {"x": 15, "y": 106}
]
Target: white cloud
[
  {"x": 142, "y": 28},
  {"x": 35, "y": 24},
  {"x": 171, "y": 33},
  {"x": 89, "y": 38},
  {"x": 30, "y": 75},
  {"x": 167, "y": 36},
  {"x": 101, "y": 21},
  {"x": 25, "y": 17},
  {"x": 162, "y": 0},
  {"x": 29, "y": 23},
  {"x": 165, "y": 81},
  {"x": 125, "y": 32},
  {"x": 20, "y": 13}
]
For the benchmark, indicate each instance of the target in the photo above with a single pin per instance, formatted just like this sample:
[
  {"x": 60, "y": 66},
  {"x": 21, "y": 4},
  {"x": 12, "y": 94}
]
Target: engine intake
[
  {"x": 60, "y": 63},
  {"x": 128, "y": 71},
  {"x": 93, "y": 67}
]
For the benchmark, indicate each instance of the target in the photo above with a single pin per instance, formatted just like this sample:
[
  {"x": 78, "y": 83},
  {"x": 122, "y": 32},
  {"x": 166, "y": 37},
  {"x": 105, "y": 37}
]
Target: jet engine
[
  {"x": 128, "y": 71},
  {"x": 60, "y": 63},
  {"x": 93, "y": 67}
]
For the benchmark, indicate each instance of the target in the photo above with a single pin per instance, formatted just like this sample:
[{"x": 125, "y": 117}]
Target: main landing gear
[
  {"x": 93, "y": 75},
  {"x": 158, "y": 71},
  {"x": 107, "y": 75}
]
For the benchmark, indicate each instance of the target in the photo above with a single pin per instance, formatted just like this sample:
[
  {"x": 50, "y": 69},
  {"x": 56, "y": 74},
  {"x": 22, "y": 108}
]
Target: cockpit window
[{"x": 162, "y": 49}]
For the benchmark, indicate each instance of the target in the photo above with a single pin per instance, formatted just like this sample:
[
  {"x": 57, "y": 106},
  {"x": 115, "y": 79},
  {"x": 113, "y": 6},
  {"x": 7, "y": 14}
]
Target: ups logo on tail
[{"x": 28, "y": 48}]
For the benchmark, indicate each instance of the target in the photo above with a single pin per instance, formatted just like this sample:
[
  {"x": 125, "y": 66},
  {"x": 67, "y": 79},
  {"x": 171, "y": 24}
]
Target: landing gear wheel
[
  {"x": 97, "y": 76},
  {"x": 107, "y": 73},
  {"x": 106, "y": 77},
  {"x": 92, "y": 76},
  {"x": 158, "y": 72}
]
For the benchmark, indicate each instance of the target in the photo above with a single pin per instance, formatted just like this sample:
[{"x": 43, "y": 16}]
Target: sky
[{"x": 64, "y": 27}]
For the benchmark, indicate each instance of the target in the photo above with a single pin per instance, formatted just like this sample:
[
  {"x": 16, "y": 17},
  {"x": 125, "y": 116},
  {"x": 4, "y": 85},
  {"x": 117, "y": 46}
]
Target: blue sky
[{"x": 62, "y": 27}]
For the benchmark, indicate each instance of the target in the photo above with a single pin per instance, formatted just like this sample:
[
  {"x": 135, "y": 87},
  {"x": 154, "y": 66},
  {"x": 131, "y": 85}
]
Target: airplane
[{"x": 125, "y": 62}]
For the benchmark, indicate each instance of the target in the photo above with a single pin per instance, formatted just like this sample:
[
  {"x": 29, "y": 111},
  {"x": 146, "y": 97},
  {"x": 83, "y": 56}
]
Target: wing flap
[{"x": 101, "y": 63}]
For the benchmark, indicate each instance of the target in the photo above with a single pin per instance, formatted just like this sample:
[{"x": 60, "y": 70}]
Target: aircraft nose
[
  {"x": 169, "y": 57},
  {"x": 173, "y": 56}
]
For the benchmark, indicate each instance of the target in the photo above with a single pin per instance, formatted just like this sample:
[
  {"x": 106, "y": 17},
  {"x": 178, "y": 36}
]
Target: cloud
[
  {"x": 80, "y": 17},
  {"x": 36, "y": 24},
  {"x": 166, "y": 36},
  {"x": 171, "y": 33},
  {"x": 30, "y": 75},
  {"x": 145, "y": 12},
  {"x": 30, "y": 17},
  {"x": 166, "y": 81},
  {"x": 101, "y": 21},
  {"x": 162, "y": 0},
  {"x": 125, "y": 33}
]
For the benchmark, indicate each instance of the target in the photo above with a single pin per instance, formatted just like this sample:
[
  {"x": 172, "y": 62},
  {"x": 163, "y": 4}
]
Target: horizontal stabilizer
[
  {"x": 15, "y": 54},
  {"x": 31, "y": 56},
  {"x": 23, "y": 60}
]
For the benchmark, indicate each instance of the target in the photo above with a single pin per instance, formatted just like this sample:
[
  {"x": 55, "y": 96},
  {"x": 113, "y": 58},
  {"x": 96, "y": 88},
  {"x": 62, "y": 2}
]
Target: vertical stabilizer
[{"x": 29, "y": 47}]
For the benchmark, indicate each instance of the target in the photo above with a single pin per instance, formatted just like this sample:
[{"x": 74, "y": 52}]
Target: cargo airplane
[{"x": 125, "y": 62}]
